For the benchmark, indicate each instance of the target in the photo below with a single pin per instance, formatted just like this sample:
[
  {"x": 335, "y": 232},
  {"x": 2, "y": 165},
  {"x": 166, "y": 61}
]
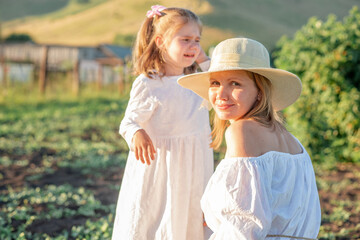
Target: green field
[
  {"x": 60, "y": 167},
  {"x": 62, "y": 160},
  {"x": 61, "y": 157}
]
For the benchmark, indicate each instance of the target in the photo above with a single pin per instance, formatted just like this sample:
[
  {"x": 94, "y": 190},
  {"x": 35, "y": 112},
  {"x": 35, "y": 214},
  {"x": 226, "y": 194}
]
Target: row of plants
[
  {"x": 61, "y": 159},
  {"x": 56, "y": 159},
  {"x": 32, "y": 207},
  {"x": 61, "y": 163}
]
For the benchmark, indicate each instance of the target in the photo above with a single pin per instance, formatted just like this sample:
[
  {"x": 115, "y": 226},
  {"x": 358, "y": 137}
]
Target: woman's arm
[{"x": 236, "y": 202}]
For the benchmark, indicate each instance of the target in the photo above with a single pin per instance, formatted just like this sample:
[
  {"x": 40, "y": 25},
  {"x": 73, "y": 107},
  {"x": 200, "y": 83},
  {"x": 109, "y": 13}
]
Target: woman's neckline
[{"x": 272, "y": 152}]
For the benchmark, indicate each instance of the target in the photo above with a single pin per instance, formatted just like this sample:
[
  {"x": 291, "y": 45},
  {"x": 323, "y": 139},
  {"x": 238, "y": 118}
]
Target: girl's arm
[
  {"x": 202, "y": 57},
  {"x": 140, "y": 107},
  {"x": 143, "y": 147},
  {"x": 203, "y": 60}
]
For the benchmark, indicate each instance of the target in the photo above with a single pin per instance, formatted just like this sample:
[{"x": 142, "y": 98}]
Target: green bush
[
  {"x": 82, "y": 1},
  {"x": 19, "y": 37},
  {"x": 124, "y": 40},
  {"x": 326, "y": 56}
]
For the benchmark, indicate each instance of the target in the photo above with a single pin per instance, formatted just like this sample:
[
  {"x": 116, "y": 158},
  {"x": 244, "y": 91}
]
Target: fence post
[
  {"x": 4, "y": 72},
  {"x": 43, "y": 67},
  {"x": 76, "y": 78},
  {"x": 100, "y": 77},
  {"x": 3, "y": 65},
  {"x": 121, "y": 78}
]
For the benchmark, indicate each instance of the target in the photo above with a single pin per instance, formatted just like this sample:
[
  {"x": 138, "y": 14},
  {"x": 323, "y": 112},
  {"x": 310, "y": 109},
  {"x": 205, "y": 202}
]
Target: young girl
[
  {"x": 265, "y": 187},
  {"x": 168, "y": 131}
]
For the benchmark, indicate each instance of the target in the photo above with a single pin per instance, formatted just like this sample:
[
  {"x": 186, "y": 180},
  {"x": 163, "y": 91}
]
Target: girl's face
[
  {"x": 232, "y": 94},
  {"x": 182, "y": 49}
]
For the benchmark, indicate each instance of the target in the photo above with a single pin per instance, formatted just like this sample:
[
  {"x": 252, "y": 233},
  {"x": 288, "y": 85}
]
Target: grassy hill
[
  {"x": 268, "y": 20},
  {"x": 13, "y": 9},
  {"x": 99, "y": 21}
]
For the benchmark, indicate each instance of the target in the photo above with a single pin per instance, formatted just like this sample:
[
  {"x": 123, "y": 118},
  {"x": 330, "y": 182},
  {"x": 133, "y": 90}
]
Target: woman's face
[{"x": 232, "y": 94}]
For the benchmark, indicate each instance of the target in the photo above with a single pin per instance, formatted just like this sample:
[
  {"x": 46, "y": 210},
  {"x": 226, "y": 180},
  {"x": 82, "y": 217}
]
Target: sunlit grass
[{"x": 99, "y": 21}]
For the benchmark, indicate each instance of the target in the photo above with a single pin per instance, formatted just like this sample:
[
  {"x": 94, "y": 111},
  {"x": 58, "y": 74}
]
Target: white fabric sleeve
[
  {"x": 245, "y": 213},
  {"x": 140, "y": 107},
  {"x": 204, "y": 66}
]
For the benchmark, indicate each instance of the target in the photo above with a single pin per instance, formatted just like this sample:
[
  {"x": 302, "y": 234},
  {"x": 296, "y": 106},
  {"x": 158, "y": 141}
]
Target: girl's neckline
[
  {"x": 157, "y": 77},
  {"x": 173, "y": 76}
]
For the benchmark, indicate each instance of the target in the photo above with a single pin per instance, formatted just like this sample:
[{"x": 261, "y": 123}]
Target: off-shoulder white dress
[
  {"x": 162, "y": 201},
  {"x": 254, "y": 197}
]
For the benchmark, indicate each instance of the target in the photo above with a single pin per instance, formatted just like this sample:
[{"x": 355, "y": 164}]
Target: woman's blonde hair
[
  {"x": 147, "y": 56},
  {"x": 262, "y": 112}
]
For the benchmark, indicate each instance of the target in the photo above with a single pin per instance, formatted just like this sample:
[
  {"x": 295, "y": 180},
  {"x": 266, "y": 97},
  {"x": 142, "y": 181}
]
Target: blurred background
[{"x": 65, "y": 76}]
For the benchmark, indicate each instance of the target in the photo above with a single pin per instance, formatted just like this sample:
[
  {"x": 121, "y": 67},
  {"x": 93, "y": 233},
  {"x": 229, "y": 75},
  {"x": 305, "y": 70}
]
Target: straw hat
[{"x": 250, "y": 55}]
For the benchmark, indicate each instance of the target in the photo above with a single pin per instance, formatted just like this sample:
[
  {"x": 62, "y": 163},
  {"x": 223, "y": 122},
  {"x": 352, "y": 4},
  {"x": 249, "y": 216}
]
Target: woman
[{"x": 265, "y": 186}]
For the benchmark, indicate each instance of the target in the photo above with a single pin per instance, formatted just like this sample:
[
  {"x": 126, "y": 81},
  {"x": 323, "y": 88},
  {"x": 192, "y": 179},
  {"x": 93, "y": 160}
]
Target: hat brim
[{"x": 286, "y": 85}]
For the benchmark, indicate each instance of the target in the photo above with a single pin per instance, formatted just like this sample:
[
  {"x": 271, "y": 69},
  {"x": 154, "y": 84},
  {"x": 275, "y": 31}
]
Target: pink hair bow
[{"x": 155, "y": 10}]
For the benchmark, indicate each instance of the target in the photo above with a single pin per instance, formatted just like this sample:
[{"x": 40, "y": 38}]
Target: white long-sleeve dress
[
  {"x": 162, "y": 201},
  {"x": 254, "y": 197}
]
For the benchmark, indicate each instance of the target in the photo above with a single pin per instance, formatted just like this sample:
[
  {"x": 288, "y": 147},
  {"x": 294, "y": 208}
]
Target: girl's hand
[
  {"x": 143, "y": 147},
  {"x": 202, "y": 57}
]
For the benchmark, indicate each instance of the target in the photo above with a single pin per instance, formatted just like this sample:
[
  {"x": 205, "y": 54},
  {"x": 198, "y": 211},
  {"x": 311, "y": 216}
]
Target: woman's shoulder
[
  {"x": 242, "y": 138},
  {"x": 245, "y": 128},
  {"x": 248, "y": 138},
  {"x": 245, "y": 125}
]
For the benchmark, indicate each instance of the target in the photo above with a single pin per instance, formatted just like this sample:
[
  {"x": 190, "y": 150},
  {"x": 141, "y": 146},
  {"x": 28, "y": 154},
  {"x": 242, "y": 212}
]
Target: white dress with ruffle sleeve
[
  {"x": 162, "y": 201},
  {"x": 250, "y": 198}
]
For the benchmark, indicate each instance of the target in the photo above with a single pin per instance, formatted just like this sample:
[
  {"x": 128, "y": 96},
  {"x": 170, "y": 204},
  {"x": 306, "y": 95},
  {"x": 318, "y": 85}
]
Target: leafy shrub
[
  {"x": 124, "y": 40},
  {"x": 100, "y": 229},
  {"x": 18, "y": 37},
  {"x": 82, "y": 1},
  {"x": 326, "y": 56}
]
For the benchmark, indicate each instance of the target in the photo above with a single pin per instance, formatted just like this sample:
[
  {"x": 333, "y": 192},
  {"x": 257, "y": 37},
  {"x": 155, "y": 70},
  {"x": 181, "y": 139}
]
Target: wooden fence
[{"x": 54, "y": 58}]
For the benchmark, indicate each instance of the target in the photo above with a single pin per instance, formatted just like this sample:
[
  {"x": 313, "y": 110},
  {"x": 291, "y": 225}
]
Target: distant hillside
[
  {"x": 13, "y": 9},
  {"x": 99, "y": 21},
  {"x": 268, "y": 20}
]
